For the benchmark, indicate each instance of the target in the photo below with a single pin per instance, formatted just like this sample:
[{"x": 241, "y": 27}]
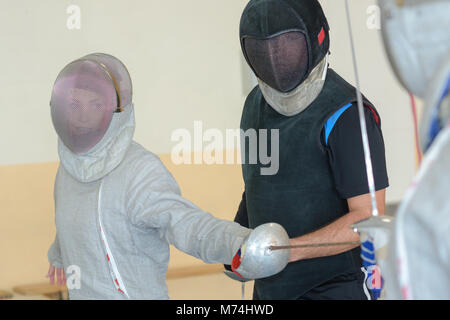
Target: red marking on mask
[{"x": 321, "y": 36}]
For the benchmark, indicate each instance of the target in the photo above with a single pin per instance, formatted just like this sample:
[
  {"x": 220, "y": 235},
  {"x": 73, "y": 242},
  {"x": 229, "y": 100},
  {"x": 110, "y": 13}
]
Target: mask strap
[{"x": 116, "y": 86}]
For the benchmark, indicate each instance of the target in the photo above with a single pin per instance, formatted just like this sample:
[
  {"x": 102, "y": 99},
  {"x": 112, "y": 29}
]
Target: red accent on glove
[{"x": 236, "y": 262}]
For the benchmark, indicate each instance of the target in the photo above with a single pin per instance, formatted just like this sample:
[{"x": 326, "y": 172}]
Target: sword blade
[
  {"x": 362, "y": 120},
  {"x": 315, "y": 245}
]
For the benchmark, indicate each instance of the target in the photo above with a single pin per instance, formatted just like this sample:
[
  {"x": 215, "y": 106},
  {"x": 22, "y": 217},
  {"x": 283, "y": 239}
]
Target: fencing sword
[
  {"x": 234, "y": 276},
  {"x": 362, "y": 119},
  {"x": 376, "y": 221}
]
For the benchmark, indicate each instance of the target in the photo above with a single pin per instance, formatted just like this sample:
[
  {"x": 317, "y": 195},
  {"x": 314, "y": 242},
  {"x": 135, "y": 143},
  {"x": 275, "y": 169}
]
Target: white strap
[
  {"x": 325, "y": 70},
  {"x": 114, "y": 272}
]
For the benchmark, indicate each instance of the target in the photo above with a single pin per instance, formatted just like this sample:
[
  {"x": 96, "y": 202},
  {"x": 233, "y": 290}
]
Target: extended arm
[{"x": 155, "y": 204}]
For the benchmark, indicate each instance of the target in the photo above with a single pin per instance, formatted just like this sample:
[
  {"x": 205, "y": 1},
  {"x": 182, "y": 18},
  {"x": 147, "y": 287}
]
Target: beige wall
[
  {"x": 183, "y": 57},
  {"x": 26, "y": 216},
  {"x": 186, "y": 65}
]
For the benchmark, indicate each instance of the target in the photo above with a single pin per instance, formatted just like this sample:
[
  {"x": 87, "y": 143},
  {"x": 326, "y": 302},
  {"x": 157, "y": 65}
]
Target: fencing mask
[
  {"x": 283, "y": 42},
  {"x": 86, "y": 94}
]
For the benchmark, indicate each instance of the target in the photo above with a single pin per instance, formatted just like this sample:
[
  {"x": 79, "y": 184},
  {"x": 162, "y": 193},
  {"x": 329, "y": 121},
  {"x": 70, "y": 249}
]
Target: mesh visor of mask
[
  {"x": 84, "y": 98},
  {"x": 280, "y": 61}
]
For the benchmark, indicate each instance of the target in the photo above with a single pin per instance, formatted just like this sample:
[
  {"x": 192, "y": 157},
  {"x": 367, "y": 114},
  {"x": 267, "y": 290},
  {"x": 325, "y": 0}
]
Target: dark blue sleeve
[
  {"x": 344, "y": 146},
  {"x": 241, "y": 215}
]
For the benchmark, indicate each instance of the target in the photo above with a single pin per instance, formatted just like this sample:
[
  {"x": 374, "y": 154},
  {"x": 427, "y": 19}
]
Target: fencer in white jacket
[{"x": 117, "y": 208}]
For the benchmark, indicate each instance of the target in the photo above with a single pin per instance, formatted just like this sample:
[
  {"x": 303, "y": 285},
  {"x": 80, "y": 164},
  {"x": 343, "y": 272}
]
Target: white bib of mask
[
  {"x": 106, "y": 155},
  {"x": 296, "y": 101}
]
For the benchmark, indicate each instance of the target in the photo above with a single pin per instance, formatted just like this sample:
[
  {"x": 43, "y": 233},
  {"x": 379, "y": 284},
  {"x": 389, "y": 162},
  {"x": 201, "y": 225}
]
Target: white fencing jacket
[{"x": 117, "y": 210}]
